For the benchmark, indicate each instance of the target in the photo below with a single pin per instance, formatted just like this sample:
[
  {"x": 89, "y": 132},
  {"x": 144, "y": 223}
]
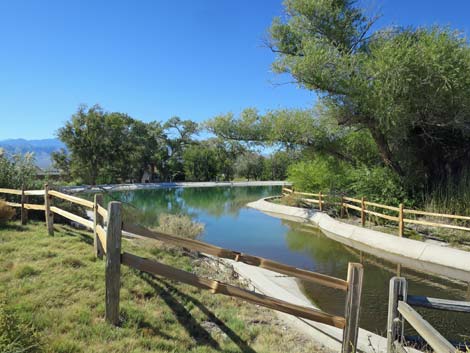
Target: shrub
[
  {"x": 327, "y": 175},
  {"x": 378, "y": 184},
  {"x": 179, "y": 225},
  {"x": 17, "y": 170},
  {"x": 6, "y": 212},
  {"x": 319, "y": 174}
]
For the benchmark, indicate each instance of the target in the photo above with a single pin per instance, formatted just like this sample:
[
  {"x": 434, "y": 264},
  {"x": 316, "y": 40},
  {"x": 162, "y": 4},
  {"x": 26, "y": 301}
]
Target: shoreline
[
  {"x": 424, "y": 257},
  {"x": 164, "y": 185},
  {"x": 288, "y": 289}
]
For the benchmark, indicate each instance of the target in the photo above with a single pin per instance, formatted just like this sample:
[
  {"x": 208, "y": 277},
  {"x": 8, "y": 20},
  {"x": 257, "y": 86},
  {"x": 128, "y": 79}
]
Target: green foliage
[
  {"x": 319, "y": 174},
  {"x": 200, "y": 163},
  {"x": 378, "y": 184},
  {"x": 328, "y": 175},
  {"x": 250, "y": 166},
  {"x": 408, "y": 87},
  {"x": 17, "y": 170},
  {"x": 6, "y": 212},
  {"x": 276, "y": 165},
  {"x": 313, "y": 130},
  {"x": 15, "y": 335},
  {"x": 109, "y": 147}
]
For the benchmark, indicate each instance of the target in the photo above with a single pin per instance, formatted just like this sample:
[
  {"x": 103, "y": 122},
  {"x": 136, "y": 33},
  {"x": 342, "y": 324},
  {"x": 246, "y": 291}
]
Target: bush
[
  {"x": 16, "y": 336},
  {"x": 18, "y": 170},
  {"x": 179, "y": 225},
  {"x": 6, "y": 212},
  {"x": 328, "y": 175},
  {"x": 378, "y": 184},
  {"x": 319, "y": 174}
]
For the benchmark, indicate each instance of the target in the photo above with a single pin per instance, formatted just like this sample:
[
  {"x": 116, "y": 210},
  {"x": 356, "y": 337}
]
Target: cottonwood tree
[
  {"x": 409, "y": 87},
  {"x": 405, "y": 89},
  {"x": 109, "y": 147}
]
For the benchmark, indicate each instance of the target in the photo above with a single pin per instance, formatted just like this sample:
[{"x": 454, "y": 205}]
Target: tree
[
  {"x": 311, "y": 130},
  {"x": 250, "y": 166},
  {"x": 277, "y": 164},
  {"x": 409, "y": 88},
  {"x": 180, "y": 136},
  {"x": 200, "y": 162},
  {"x": 110, "y": 147}
]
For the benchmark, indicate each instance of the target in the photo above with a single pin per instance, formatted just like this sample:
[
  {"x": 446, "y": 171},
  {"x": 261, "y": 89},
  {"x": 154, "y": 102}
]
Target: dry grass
[
  {"x": 179, "y": 225},
  {"x": 6, "y": 212}
]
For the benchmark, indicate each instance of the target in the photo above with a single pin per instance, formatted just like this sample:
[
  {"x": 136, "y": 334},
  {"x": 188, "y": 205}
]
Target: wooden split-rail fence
[
  {"x": 108, "y": 229},
  {"x": 397, "y": 214},
  {"x": 400, "y": 311}
]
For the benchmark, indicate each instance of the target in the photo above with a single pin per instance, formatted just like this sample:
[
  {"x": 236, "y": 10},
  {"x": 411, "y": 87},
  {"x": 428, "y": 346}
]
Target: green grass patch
[{"x": 55, "y": 302}]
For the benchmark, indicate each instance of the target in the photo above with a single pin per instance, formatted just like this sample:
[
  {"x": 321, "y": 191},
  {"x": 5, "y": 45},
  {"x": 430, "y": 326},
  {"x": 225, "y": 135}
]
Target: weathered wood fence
[
  {"x": 108, "y": 229},
  {"x": 396, "y": 214},
  {"x": 400, "y": 311}
]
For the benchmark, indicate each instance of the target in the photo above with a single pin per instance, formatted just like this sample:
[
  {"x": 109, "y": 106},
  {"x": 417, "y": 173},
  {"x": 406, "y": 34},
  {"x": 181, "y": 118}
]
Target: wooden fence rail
[
  {"x": 196, "y": 245},
  {"x": 362, "y": 206},
  {"x": 216, "y": 287},
  {"x": 401, "y": 312},
  {"x": 108, "y": 229}
]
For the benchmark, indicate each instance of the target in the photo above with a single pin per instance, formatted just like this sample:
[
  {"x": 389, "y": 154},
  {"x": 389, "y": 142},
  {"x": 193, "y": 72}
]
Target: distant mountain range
[{"x": 42, "y": 149}]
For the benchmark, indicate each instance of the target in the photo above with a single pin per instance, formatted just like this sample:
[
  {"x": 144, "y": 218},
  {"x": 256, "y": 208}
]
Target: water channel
[{"x": 230, "y": 224}]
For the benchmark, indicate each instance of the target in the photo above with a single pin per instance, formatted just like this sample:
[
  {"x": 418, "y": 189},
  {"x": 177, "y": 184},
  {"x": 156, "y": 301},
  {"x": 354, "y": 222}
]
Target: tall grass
[
  {"x": 16, "y": 336},
  {"x": 179, "y": 225},
  {"x": 451, "y": 197}
]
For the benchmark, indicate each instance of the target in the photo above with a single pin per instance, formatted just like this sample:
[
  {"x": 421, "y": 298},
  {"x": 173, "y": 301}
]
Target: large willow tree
[
  {"x": 407, "y": 88},
  {"x": 410, "y": 88}
]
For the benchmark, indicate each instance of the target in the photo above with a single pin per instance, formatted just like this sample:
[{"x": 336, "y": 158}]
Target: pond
[{"x": 230, "y": 224}]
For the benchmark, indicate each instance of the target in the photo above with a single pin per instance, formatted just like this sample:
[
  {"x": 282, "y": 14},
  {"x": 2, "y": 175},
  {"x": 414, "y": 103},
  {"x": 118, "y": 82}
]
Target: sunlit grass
[{"x": 54, "y": 287}]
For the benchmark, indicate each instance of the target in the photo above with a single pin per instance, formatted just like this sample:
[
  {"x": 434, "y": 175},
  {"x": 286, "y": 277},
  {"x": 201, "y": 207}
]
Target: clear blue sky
[{"x": 154, "y": 59}]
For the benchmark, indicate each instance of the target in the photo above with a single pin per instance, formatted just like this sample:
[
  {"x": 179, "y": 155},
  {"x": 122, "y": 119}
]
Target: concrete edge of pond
[
  {"x": 151, "y": 186},
  {"x": 287, "y": 289},
  {"x": 418, "y": 255}
]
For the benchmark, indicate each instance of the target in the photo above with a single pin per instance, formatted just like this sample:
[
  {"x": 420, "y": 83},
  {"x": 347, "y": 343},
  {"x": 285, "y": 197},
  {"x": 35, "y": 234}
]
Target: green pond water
[{"x": 230, "y": 224}]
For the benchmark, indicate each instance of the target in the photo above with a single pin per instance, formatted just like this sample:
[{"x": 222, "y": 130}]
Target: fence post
[
  {"x": 363, "y": 212},
  {"x": 401, "y": 223},
  {"x": 113, "y": 262},
  {"x": 24, "y": 211},
  {"x": 48, "y": 213},
  {"x": 97, "y": 220},
  {"x": 353, "y": 306},
  {"x": 320, "y": 202},
  {"x": 395, "y": 324}
]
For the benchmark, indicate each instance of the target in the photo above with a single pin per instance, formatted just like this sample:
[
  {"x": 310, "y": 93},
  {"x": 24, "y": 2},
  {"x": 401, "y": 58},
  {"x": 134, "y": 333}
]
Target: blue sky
[{"x": 155, "y": 59}]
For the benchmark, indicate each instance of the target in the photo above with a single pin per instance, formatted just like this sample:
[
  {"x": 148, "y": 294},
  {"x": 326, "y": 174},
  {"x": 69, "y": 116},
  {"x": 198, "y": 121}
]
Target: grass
[{"x": 53, "y": 301}]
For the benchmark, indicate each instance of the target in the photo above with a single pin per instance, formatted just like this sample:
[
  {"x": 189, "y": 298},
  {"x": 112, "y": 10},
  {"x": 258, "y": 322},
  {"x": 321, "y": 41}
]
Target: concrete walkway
[
  {"x": 421, "y": 256},
  {"x": 286, "y": 288}
]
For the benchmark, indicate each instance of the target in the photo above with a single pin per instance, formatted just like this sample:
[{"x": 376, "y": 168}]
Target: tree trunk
[{"x": 384, "y": 150}]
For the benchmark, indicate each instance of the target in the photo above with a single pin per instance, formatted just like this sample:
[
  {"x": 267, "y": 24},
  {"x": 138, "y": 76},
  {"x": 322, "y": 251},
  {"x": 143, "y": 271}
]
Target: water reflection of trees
[
  {"x": 329, "y": 256},
  {"x": 145, "y": 205},
  {"x": 218, "y": 201}
]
